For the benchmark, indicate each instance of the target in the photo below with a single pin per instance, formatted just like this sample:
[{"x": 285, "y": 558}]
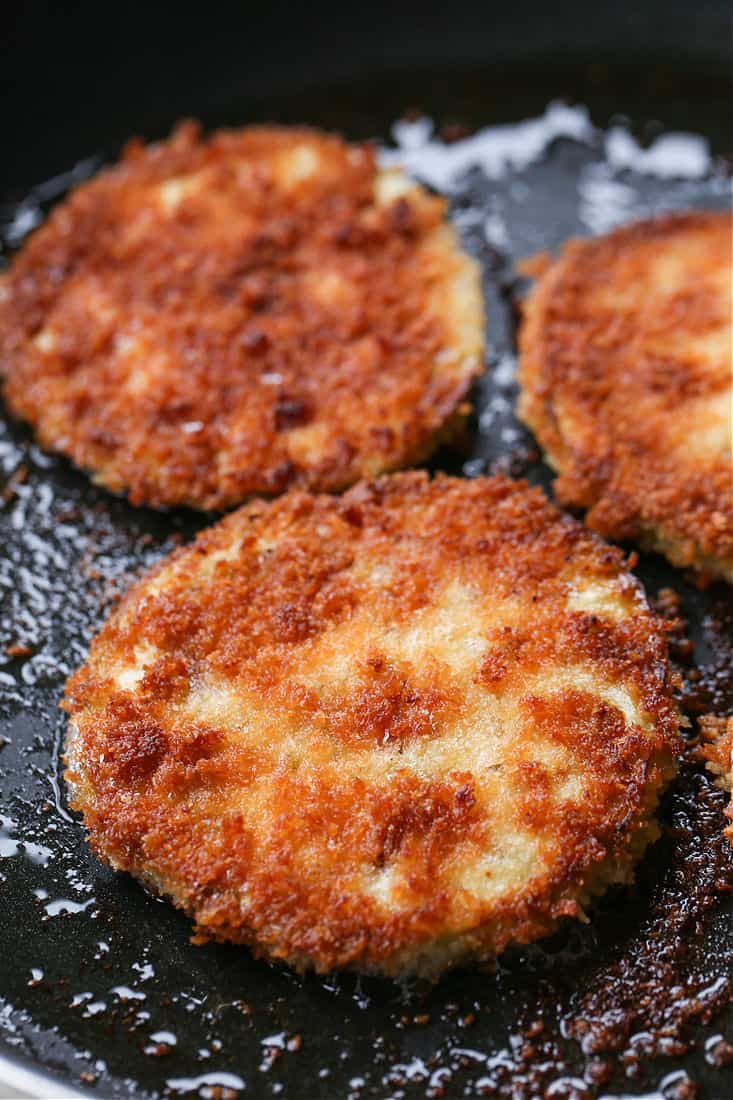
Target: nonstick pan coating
[{"x": 99, "y": 985}]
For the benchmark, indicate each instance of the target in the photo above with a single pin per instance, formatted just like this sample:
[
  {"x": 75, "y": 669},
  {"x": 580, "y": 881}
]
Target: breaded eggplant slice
[
  {"x": 266, "y": 309},
  {"x": 393, "y": 731},
  {"x": 626, "y": 382}
]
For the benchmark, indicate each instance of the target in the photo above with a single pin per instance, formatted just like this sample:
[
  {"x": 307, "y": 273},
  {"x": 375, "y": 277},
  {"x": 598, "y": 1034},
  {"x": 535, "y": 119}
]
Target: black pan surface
[{"x": 99, "y": 984}]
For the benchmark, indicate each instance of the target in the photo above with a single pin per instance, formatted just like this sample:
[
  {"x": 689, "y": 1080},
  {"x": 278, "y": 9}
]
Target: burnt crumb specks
[
  {"x": 292, "y": 412},
  {"x": 643, "y": 1004},
  {"x": 709, "y": 687}
]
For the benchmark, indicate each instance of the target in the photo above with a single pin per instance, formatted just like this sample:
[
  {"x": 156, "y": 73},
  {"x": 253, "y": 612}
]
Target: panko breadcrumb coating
[
  {"x": 626, "y": 382},
  {"x": 716, "y": 749},
  {"x": 393, "y": 731},
  {"x": 212, "y": 319}
]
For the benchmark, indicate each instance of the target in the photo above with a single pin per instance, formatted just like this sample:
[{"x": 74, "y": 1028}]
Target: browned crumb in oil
[
  {"x": 647, "y": 1002},
  {"x": 532, "y": 267}
]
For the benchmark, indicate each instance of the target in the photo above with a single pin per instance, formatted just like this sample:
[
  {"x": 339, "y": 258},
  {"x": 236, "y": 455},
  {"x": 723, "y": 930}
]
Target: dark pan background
[{"x": 110, "y": 997}]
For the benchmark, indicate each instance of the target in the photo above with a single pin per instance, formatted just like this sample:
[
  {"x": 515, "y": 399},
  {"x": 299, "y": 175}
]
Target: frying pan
[{"x": 101, "y": 992}]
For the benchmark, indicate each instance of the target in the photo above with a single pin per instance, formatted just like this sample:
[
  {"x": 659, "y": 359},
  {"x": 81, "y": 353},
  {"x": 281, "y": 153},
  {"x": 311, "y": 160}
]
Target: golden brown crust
[
  {"x": 214, "y": 319},
  {"x": 393, "y": 730},
  {"x": 716, "y": 750},
  {"x": 626, "y": 381}
]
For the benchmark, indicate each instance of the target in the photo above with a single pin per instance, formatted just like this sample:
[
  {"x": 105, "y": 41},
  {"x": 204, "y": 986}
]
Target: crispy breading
[
  {"x": 209, "y": 320},
  {"x": 394, "y": 730},
  {"x": 626, "y": 381},
  {"x": 716, "y": 751}
]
